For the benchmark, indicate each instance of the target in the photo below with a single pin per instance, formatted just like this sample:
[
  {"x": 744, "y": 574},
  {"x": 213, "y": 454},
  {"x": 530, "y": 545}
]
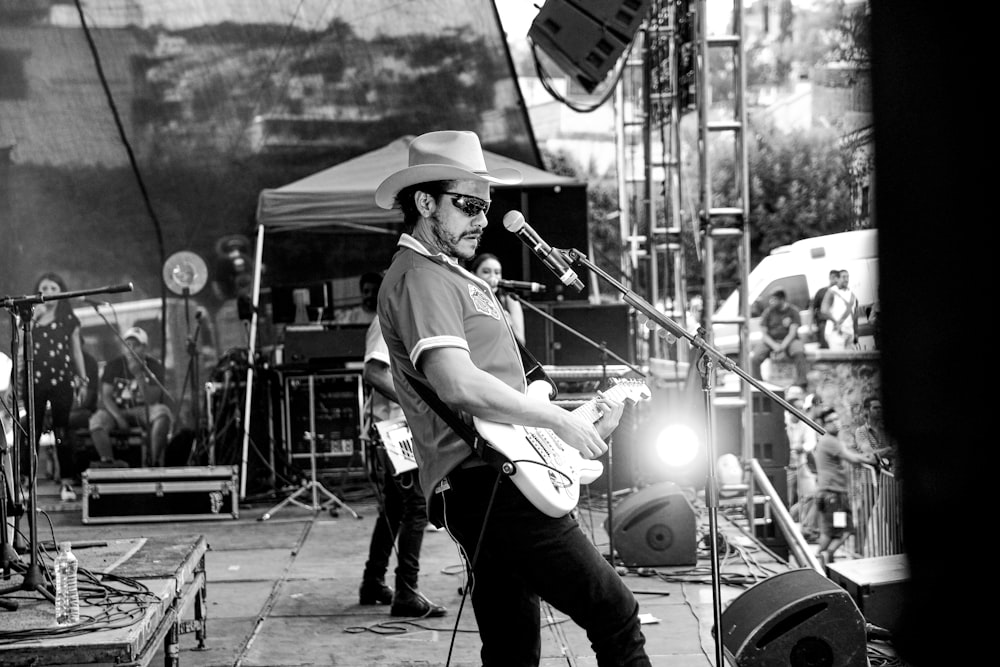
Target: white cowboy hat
[{"x": 443, "y": 156}]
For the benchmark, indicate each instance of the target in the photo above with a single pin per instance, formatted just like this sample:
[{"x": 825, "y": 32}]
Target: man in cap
[
  {"x": 132, "y": 394},
  {"x": 447, "y": 335}
]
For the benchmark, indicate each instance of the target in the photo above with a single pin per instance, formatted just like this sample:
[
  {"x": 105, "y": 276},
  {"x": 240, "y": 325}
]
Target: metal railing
[{"x": 876, "y": 506}]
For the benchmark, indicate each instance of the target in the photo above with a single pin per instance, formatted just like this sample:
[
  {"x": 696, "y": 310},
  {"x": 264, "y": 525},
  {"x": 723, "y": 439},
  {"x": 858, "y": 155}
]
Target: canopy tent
[
  {"x": 343, "y": 196},
  {"x": 341, "y": 199}
]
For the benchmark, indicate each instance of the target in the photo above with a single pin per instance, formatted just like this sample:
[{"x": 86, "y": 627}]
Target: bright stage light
[{"x": 677, "y": 445}]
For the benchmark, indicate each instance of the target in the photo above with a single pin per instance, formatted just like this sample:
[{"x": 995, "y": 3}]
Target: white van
[{"x": 801, "y": 269}]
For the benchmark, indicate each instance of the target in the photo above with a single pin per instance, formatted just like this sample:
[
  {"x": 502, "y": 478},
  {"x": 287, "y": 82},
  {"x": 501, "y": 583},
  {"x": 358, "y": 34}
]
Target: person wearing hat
[
  {"x": 446, "y": 334},
  {"x": 132, "y": 395},
  {"x": 779, "y": 332}
]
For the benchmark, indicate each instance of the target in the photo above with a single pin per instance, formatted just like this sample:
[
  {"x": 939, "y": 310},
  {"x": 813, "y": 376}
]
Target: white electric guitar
[{"x": 549, "y": 471}]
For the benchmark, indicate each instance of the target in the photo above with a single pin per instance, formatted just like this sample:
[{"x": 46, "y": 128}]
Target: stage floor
[
  {"x": 284, "y": 591},
  {"x": 133, "y": 592}
]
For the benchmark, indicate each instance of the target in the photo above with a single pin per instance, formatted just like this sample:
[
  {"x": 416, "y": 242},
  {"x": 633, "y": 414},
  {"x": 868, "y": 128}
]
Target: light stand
[
  {"x": 709, "y": 356},
  {"x": 186, "y": 274},
  {"x": 605, "y": 353},
  {"x": 313, "y": 485},
  {"x": 21, "y": 309}
]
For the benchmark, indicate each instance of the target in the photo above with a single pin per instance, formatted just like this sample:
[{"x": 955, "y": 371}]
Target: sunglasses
[{"x": 467, "y": 204}]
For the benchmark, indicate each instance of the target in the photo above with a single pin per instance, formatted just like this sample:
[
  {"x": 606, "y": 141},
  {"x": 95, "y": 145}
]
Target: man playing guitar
[{"x": 446, "y": 331}]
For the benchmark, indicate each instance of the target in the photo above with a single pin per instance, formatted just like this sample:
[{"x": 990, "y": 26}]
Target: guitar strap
[
  {"x": 488, "y": 454},
  {"x": 467, "y": 432},
  {"x": 535, "y": 370}
]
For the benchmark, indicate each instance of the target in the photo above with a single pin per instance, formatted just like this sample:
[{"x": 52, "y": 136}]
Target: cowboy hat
[{"x": 446, "y": 155}]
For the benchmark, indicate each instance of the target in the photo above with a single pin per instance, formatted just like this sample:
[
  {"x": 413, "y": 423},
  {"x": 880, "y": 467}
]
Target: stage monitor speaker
[
  {"x": 795, "y": 619},
  {"x": 587, "y": 37},
  {"x": 654, "y": 527}
]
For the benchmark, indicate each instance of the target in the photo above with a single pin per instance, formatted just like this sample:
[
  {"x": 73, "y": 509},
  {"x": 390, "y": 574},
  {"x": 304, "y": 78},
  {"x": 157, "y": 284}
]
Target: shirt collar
[{"x": 410, "y": 242}]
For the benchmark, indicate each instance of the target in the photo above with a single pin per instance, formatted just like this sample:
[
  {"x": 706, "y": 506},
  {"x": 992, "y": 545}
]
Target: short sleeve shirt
[
  {"x": 53, "y": 349},
  {"x": 429, "y": 301},
  {"x": 380, "y": 407},
  {"x": 777, "y": 321},
  {"x": 125, "y": 386}
]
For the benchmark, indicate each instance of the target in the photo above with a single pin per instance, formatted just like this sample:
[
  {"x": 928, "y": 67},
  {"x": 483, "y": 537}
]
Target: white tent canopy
[{"x": 344, "y": 195}]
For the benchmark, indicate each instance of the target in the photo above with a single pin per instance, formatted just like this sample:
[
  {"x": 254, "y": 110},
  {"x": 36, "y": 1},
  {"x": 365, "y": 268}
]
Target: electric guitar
[{"x": 547, "y": 470}]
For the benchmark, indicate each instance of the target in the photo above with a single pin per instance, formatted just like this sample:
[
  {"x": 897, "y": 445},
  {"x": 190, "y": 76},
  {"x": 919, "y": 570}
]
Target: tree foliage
[{"x": 799, "y": 188}]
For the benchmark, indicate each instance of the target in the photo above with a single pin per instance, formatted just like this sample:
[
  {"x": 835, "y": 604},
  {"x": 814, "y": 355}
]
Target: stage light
[{"x": 677, "y": 445}]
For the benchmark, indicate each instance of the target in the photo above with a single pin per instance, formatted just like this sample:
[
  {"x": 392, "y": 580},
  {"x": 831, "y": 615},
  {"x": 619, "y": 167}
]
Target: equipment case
[{"x": 120, "y": 495}]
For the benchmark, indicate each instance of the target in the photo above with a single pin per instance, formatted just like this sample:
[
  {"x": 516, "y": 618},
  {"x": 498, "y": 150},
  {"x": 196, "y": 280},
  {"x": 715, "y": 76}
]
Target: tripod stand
[
  {"x": 21, "y": 309},
  {"x": 313, "y": 487}
]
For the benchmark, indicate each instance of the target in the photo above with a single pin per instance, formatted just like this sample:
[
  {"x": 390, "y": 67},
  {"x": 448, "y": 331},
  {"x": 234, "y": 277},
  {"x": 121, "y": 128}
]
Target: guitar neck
[{"x": 590, "y": 409}]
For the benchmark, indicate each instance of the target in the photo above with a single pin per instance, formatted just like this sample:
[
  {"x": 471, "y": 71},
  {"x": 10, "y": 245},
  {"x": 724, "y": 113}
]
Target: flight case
[{"x": 193, "y": 493}]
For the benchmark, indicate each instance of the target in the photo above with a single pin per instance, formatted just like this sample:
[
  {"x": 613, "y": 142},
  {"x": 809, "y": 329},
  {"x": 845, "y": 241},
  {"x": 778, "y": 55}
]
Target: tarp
[{"x": 343, "y": 196}]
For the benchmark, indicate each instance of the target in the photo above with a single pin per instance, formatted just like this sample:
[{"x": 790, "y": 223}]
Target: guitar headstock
[{"x": 630, "y": 389}]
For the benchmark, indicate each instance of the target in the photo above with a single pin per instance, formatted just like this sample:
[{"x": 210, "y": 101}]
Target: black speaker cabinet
[
  {"x": 795, "y": 619},
  {"x": 654, "y": 527},
  {"x": 770, "y": 441},
  {"x": 586, "y": 37},
  {"x": 610, "y": 324}
]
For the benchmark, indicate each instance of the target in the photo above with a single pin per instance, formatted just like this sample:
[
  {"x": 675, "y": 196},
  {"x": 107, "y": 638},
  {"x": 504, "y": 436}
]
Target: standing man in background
[
  {"x": 402, "y": 515},
  {"x": 818, "y": 318},
  {"x": 833, "y": 466},
  {"x": 840, "y": 308}
]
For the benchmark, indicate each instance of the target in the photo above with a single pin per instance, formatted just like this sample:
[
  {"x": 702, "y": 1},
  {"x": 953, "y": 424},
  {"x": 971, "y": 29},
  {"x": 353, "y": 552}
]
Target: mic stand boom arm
[{"x": 710, "y": 355}]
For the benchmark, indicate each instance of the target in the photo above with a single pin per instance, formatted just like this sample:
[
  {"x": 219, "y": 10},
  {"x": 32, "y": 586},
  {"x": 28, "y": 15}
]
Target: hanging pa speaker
[
  {"x": 795, "y": 619},
  {"x": 654, "y": 527}
]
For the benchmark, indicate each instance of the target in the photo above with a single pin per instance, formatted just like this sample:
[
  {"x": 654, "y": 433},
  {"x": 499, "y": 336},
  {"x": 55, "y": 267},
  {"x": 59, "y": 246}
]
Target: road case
[{"x": 193, "y": 493}]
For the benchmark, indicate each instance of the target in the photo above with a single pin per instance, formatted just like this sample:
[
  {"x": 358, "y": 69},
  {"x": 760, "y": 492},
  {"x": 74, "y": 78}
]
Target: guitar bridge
[{"x": 549, "y": 449}]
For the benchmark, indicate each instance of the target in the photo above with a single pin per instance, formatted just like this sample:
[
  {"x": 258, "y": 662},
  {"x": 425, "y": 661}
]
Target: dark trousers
[
  {"x": 403, "y": 512},
  {"x": 526, "y": 556},
  {"x": 60, "y": 400}
]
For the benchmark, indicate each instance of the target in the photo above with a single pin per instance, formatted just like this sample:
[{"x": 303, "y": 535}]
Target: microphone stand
[
  {"x": 21, "y": 308},
  {"x": 605, "y": 353},
  {"x": 710, "y": 356}
]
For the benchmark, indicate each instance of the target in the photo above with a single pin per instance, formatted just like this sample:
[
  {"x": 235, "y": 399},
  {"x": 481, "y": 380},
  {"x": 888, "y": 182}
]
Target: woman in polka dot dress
[{"x": 60, "y": 372}]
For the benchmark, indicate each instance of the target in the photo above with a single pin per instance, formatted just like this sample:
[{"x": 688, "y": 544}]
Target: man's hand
[
  {"x": 611, "y": 415},
  {"x": 580, "y": 434}
]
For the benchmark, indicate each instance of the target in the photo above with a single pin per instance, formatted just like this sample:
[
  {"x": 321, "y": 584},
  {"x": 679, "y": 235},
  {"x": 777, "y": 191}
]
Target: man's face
[
  {"x": 455, "y": 233},
  {"x": 844, "y": 279},
  {"x": 134, "y": 345},
  {"x": 369, "y": 296}
]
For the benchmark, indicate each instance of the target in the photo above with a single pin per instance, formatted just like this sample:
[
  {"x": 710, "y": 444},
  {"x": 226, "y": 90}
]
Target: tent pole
[{"x": 258, "y": 258}]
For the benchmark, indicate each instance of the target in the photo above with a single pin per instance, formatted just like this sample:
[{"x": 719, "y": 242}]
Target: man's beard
[{"x": 449, "y": 245}]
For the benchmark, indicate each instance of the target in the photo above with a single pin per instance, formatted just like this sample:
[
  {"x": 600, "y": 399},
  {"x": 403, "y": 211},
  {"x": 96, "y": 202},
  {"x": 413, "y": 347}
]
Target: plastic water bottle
[{"x": 67, "y": 595}]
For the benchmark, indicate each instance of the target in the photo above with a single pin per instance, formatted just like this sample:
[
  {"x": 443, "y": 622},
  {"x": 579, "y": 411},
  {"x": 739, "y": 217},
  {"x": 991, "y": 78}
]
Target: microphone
[
  {"x": 513, "y": 221},
  {"x": 521, "y": 284}
]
